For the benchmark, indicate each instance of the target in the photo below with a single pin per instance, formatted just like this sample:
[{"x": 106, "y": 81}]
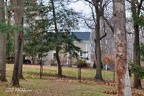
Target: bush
[
  {"x": 81, "y": 63},
  {"x": 137, "y": 69}
]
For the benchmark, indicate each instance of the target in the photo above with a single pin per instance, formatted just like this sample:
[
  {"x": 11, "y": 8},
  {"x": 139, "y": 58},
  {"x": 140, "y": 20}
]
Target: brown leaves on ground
[
  {"x": 110, "y": 92},
  {"x": 111, "y": 84},
  {"x": 134, "y": 93},
  {"x": 114, "y": 92}
]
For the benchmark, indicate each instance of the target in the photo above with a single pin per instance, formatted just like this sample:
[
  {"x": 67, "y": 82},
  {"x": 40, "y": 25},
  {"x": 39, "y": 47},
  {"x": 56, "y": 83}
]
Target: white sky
[{"x": 82, "y": 7}]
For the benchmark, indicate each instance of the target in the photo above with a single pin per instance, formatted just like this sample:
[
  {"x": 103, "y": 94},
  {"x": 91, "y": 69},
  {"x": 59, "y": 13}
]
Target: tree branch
[
  {"x": 108, "y": 23},
  {"x": 103, "y": 36},
  {"x": 93, "y": 16},
  {"x": 139, "y": 6},
  {"x": 90, "y": 2},
  {"x": 87, "y": 23},
  {"x": 129, "y": 32}
]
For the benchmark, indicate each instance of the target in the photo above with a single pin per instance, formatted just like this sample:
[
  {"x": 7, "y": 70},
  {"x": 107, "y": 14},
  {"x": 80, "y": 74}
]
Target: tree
[
  {"x": 9, "y": 35},
  {"x": 18, "y": 18},
  {"x": 136, "y": 14},
  {"x": 97, "y": 41},
  {"x": 124, "y": 88},
  {"x": 64, "y": 20},
  {"x": 97, "y": 14},
  {"x": 36, "y": 36},
  {"x": 3, "y": 44}
]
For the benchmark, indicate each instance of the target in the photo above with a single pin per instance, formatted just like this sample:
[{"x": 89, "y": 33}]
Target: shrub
[
  {"x": 137, "y": 69},
  {"x": 81, "y": 63}
]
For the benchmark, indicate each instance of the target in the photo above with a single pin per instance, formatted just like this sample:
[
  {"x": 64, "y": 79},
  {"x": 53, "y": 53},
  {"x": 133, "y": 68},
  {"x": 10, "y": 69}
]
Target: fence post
[{"x": 0, "y": 73}]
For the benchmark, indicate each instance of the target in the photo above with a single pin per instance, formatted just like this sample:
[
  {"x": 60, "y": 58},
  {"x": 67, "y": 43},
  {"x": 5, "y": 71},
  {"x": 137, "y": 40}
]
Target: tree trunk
[
  {"x": 2, "y": 46},
  {"x": 18, "y": 17},
  {"x": 113, "y": 76},
  {"x": 97, "y": 43},
  {"x": 41, "y": 68},
  {"x": 34, "y": 59},
  {"x": 136, "y": 57},
  {"x": 58, "y": 62},
  {"x": 57, "y": 37},
  {"x": 136, "y": 54},
  {"x": 137, "y": 81},
  {"x": 3, "y": 57},
  {"x": 79, "y": 74},
  {"x": 21, "y": 63},
  {"x": 123, "y": 80}
]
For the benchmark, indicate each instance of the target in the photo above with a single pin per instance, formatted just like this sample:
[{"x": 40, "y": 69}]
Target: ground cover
[{"x": 51, "y": 85}]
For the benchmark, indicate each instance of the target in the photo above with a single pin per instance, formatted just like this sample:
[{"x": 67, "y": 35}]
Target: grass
[{"x": 51, "y": 85}]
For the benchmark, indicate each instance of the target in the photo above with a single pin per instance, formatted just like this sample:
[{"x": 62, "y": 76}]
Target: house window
[
  {"x": 81, "y": 54},
  {"x": 87, "y": 55},
  {"x": 54, "y": 55}
]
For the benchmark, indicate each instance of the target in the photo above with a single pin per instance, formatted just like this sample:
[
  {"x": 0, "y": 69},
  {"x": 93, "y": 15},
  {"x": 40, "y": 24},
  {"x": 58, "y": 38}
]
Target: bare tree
[
  {"x": 97, "y": 40},
  {"x": 18, "y": 17},
  {"x": 124, "y": 88},
  {"x": 97, "y": 7},
  {"x": 3, "y": 45}
]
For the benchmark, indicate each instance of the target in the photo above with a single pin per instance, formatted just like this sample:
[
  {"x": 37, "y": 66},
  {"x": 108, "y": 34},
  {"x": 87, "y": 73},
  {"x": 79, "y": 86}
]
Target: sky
[{"x": 81, "y": 7}]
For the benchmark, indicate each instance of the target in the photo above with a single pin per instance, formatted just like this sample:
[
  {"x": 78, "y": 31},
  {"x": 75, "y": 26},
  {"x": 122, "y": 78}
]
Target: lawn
[{"x": 51, "y": 85}]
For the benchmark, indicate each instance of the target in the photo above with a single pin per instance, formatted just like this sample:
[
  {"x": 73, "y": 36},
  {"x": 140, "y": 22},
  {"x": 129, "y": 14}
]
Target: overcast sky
[{"x": 82, "y": 7}]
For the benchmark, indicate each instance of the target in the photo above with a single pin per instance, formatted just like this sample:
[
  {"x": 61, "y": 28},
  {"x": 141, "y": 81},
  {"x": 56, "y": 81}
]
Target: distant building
[{"x": 50, "y": 59}]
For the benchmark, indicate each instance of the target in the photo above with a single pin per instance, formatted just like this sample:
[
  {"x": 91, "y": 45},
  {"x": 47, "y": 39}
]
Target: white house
[{"x": 84, "y": 45}]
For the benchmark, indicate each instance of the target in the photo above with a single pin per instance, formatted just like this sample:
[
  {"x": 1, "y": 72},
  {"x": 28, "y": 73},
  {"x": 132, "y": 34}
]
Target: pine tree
[{"x": 64, "y": 19}]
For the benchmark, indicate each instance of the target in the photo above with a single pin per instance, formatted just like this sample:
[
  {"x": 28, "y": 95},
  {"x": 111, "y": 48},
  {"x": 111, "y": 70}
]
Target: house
[{"x": 50, "y": 59}]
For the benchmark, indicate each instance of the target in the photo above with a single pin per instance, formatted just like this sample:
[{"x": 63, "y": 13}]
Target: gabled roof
[{"x": 84, "y": 36}]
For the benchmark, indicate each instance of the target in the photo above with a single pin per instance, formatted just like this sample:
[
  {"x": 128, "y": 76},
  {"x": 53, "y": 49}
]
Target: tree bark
[
  {"x": 123, "y": 80},
  {"x": 97, "y": 43},
  {"x": 58, "y": 62},
  {"x": 2, "y": 46},
  {"x": 21, "y": 62},
  {"x": 136, "y": 57},
  {"x": 57, "y": 37},
  {"x": 34, "y": 60},
  {"x": 18, "y": 17},
  {"x": 79, "y": 74},
  {"x": 3, "y": 57},
  {"x": 41, "y": 65},
  {"x": 136, "y": 54}
]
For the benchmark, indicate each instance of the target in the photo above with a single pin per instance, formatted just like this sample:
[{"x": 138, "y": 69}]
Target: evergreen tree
[
  {"x": 137, "y": 22},
  {"x": 47, "y": 29},
  {"x": 64, "y": 19},
  {"x": 37, "y": 22}
]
